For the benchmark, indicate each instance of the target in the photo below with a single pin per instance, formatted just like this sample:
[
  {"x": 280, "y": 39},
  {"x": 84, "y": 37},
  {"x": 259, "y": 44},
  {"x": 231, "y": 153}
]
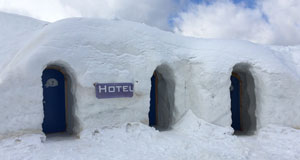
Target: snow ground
[{"x": 199, "y": 140}]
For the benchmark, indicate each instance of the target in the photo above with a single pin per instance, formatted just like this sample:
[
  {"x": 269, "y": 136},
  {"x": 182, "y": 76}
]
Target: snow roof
[{"x": 16, "y": 31}]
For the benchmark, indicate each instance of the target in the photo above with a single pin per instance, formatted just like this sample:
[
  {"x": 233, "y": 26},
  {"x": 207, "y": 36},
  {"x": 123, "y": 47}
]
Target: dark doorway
[
  {"x": 235, "y": 95},
  {"x": 162, "y": 98},
  {"x": 243, "y": 100},
  {"x": 153, "y": 101},
  {"x": 54, "y": 101}
]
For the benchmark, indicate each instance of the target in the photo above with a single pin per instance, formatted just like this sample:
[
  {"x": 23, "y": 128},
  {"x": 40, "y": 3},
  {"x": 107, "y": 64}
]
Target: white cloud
[
  {"x": 284, "y": 20},
  {"x": 271, "y": 22},
  {"x": 151, "y": 12},
  {"x": 41, "y": 9}
]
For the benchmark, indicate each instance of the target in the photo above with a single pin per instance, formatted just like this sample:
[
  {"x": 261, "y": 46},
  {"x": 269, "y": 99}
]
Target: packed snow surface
[
  {"x": 15, "y": 32},
  {"x": 191, "y": 139}
]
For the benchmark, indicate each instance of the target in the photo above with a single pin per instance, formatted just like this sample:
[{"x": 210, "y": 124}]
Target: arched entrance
[
  {"x": 161, "y": 98},
  {"x": 243, "y": 100},
  {"x": 54, "y": 101}
]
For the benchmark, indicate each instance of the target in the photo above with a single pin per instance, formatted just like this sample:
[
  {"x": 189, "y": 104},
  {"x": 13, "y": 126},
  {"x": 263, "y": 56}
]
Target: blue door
[
  {"x": 54, "y": 101},
  {"x": 235, "y": 103},
  {"x": 153, "y": 104}
]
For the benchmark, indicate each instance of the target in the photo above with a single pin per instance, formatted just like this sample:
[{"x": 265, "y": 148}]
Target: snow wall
[{"x": 92, "y": 51}]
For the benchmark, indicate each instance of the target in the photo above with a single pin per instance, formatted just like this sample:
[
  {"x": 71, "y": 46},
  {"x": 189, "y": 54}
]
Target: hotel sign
[{"x": 113, "y": 90}]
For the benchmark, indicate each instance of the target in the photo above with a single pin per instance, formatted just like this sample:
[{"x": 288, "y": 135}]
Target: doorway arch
[
  {"x": 162, "y": 98},
  {"x": 243, "y": 100},
  {"x": 58, "y": 101}
]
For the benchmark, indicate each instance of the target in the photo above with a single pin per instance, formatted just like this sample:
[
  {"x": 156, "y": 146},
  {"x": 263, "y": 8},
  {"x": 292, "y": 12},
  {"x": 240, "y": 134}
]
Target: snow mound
[
  {"x": 138, "y": 141},
  {"x": 131, "y": 130},
  {"x": 92, "y": 51},
  {"x": 212, "y": 137},
  {"x": 191, "y": 124}
]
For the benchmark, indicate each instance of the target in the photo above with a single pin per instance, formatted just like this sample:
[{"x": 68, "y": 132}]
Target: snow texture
[
  {"x": 192, "y": 138},
  {"x": 106, "y": 51},
  {"x": 16, "y": 31}
]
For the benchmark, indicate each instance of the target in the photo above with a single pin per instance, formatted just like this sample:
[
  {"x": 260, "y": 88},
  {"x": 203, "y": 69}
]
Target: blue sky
[
  {"x": 184, "y": 7},
  {"x": 249, "y": 3}
]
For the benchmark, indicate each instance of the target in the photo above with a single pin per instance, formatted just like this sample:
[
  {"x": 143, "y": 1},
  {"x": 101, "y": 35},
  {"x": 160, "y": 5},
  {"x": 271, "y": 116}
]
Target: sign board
[{"x": 113, "y": 90}]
